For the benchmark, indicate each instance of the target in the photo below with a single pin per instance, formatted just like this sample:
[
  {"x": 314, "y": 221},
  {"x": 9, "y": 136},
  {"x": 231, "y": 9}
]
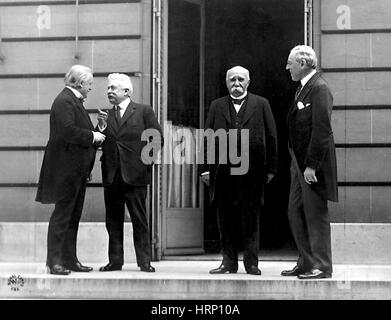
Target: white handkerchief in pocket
[{"x": 300, "y": 105}]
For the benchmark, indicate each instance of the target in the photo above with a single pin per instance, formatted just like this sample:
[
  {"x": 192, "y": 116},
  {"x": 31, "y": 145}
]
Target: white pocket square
[{"x": 300, "y": 105}]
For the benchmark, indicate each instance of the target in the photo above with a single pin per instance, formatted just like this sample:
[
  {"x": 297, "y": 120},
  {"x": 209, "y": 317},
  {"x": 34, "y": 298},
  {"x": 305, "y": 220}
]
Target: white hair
[
  {"x": 76, "y": 75},
  {"x": 123, "y": 80},
  {"x": 305, "y": 53},
  {"x": 239, "y": 69}
]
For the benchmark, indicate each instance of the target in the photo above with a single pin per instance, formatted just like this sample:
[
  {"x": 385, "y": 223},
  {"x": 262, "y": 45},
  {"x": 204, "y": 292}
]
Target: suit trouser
[
  {"x": 238, "y": 212},
  {"x": 310, "y": 224},
  {"x": 116, "y": 196},
  {"x": 63, "y": 226}
]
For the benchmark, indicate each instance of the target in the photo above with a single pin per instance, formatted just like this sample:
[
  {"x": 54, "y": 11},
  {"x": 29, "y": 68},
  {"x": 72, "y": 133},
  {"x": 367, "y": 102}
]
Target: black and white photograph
[{"x": 195, "y": 154}]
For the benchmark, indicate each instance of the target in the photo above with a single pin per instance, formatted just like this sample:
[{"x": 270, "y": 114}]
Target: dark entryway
[{"x": 258, "y": 35}]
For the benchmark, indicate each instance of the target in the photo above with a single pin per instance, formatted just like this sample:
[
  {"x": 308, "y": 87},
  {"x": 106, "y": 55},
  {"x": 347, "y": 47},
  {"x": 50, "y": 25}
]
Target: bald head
[
  {"x": 237, "y": 80},
  {"x": 238, "y": 70}
]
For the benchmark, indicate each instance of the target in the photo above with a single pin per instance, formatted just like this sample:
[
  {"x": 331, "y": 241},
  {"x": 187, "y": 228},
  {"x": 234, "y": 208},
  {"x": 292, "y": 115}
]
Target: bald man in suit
[{"x": 238, "y": 196}]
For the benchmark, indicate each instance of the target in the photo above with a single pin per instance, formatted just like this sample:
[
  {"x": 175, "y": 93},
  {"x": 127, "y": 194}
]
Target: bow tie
[
  {"x": 81, "y": 99},
  {"x": 237, "y": 101}
]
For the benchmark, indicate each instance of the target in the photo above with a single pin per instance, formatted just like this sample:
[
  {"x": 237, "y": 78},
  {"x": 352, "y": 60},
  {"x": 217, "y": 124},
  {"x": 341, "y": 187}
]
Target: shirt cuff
[{"x": 101, "y": 129}]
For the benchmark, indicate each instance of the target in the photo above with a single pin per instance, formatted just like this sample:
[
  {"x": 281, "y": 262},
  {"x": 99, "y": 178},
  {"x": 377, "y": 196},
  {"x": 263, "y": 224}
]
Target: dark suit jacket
[
  {"x": 70, "y": 153},
  {"x": 124, "y": 143},
  {"x": 258, "y": 118},
  {"x": 311, "y": 136}
]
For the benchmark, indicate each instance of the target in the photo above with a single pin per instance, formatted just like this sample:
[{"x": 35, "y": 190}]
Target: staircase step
[{"x": 185, "y": 280}]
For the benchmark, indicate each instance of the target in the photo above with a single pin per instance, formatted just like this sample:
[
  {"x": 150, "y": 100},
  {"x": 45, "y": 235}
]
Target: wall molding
[
  {"x": 364, "y": 184},
  {"x": 34, "y": 112},
  {"x": 362, "y": 107},
  {"x": 72, "y": 38},
  {"x": 64, "y": 2},
  {"x": 60, "y": 75},
  {"x": 361, "y": 69},
  {"x": 362, "y": 145},
  {"x": 337, "y": 145},
  {"x": 356, "y": 31},
  {"x": 35, "y": 185},
  {"x": 98, "y": 185},
  {"x": 93, "y": 111}
]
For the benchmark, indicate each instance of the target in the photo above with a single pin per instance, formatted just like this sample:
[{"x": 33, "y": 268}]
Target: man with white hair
[
  {"x": 239, "y": 197},
  {"x": 124, "y": 173},
  {"x": 66, "y": 167},
  {"x": 313, "y": 167}
]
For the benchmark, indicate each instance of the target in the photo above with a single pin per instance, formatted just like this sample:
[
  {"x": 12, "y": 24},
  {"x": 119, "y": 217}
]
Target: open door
[
  {"x": 182, "y": 204},
  {"x": 200, "y": 41}
]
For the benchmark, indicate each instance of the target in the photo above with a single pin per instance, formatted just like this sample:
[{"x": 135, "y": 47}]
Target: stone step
[
  {"x": 26, "y": 242},
  {"x": 183, "y": 280},
  {"x": 352, "y": 243}
]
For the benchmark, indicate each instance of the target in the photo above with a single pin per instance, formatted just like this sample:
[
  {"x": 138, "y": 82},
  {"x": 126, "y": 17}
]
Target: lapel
[
  {"x": 85, "y": 113},
  {"x": 225, "y": 109},
  {"x": 303, "y": 93},
  {"x": 80, "y": 107},
  {"x": 250, "y": 108},
  {"x": 308, "y": 86},
  {"x": 128, "y": 113}
]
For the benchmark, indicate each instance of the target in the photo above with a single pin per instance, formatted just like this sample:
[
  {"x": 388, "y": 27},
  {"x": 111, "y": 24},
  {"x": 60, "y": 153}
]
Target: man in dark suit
[
  {"x": 238, "y": 196},
  {"x": 67, "y": 164},
  {"x": 313, "y": 167},
  {"x": 125, "y": 172}
]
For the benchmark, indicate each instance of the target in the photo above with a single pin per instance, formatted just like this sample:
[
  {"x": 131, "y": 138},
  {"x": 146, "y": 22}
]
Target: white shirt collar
[
  {"x": 307, "y": 77},
  {"x": 241, "y": 97},
  {"x": 124, "y": 104},
  {"x": 75, "y": 92}
]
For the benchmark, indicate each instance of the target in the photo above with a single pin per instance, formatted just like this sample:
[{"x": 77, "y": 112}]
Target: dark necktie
[
  {"x": 298, "y": 90},
  {"x": 118, "y": 114}
]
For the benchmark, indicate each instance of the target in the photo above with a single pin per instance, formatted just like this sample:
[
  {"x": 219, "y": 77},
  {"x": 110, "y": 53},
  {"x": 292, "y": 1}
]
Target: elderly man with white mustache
[{"x": 239, "y": 197}]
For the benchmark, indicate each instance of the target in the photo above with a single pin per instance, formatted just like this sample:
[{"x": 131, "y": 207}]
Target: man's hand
[
  {"x": 102, "y": 118},
  {"x": 89, "y": 178},
  {"x": 98, "y": 137},
  {"x": 269, "y": 177},
  {"x": 205, "y": 179},
  {"x": 309, "y": 175}
]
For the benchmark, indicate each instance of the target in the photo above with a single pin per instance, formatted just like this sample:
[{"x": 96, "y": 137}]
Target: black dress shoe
[
  {"x": 314, "y": 274},
  {"x": 146, "y": 267},
  {"x": 59, "y": 270},
  {"x": 78, "y": 267},
  {"x": 111, "y": 267},
  {"x": 292, "y": 273},
  {"x": 254, "y": 270},
  {"x": 223, "y": 269}
]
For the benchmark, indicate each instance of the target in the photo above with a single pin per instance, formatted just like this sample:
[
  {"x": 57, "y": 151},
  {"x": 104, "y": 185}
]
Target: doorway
[{"x": 205, "y": 39}]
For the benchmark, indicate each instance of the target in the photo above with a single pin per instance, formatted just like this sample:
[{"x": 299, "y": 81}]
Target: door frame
[
  {"x": 159, "y": 102},
  {"x": 195, "y": 214}
]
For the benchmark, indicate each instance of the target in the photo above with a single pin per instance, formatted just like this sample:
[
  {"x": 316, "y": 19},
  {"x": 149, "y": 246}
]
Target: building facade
[{"x": 177, "y": 53}]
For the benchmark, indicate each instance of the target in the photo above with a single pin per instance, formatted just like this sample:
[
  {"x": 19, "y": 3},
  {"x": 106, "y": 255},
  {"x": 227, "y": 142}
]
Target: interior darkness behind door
[{"x": 257, "y": 34}]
